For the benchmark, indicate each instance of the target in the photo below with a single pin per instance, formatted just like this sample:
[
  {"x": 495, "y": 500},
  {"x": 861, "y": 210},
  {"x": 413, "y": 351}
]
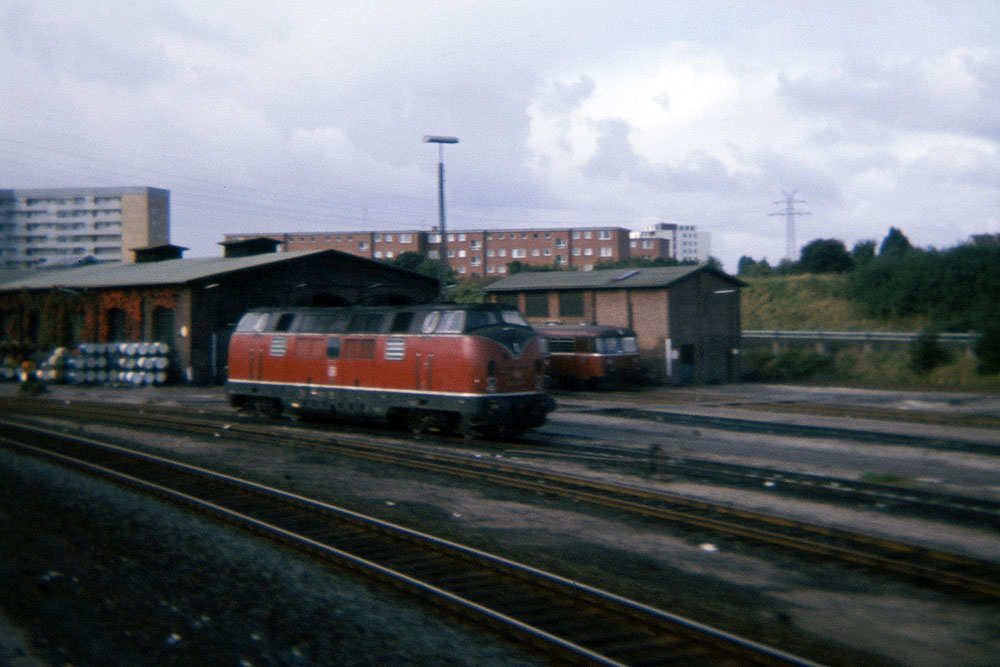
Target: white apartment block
[
  {"x": 60, "y": 226},
  {"x": 686, "y": 243}
]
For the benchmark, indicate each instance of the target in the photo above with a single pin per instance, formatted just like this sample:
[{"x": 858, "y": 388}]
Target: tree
[
  {"x": 825, "y": 256},
  {"x": 753, "y": 269},
  {"x": 895, "y": 244},
  {"x": 863, "y": 252},
  {"x": 420, "y": 263}
]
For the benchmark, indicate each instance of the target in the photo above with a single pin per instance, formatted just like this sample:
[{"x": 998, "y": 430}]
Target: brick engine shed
[{"x": 190, "y": 304}]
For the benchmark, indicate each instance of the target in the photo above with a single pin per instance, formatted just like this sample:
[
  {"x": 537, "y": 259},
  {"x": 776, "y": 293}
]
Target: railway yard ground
[{"x": 98, "y": 574}]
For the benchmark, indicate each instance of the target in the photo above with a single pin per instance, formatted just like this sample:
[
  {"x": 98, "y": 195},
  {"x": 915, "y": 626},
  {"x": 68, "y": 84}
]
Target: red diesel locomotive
[
  {"x": 590, "y": 355},
  {"x": 474, "y": 369}
]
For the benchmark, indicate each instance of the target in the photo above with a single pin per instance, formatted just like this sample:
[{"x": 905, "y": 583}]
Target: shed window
[
  {"x": 536, "y": 304},
  {"x": 571, "y": 304}
]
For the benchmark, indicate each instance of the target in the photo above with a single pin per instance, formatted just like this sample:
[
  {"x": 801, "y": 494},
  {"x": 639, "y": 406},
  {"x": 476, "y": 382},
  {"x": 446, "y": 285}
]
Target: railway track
[
  {"x": 798, "y": 430},
  {"x": 937, "y": 568},
  {"x": 562, "y": 619},
  {"x": 887, "y": 498}
]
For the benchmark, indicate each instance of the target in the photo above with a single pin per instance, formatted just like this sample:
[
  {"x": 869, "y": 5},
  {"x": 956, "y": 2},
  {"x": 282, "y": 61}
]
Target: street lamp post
[{"x": 443, "y": 246}]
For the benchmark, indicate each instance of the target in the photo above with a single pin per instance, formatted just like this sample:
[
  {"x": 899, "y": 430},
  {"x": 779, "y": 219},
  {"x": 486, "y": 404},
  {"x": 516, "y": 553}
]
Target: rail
[{"x": 950, "y": 338}]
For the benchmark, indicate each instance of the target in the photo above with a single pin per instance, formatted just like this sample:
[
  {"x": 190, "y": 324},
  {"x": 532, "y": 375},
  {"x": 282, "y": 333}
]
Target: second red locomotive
[
  {"x": 591, "y": 355},
  {"x": 475, "y": 369}
]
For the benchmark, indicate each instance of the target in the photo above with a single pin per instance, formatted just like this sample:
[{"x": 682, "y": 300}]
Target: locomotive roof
[
  {"x": 653, "y": 277},
  {"x": 588, "y": 330},
  {"x": 414, "y": 306}
]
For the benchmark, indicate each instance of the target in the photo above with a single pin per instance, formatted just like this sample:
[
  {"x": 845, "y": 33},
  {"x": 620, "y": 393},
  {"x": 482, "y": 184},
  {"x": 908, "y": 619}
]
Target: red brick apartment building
[{"x": 478, "y": 252}]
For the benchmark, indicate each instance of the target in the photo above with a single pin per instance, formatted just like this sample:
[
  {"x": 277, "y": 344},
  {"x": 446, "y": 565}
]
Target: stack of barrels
[{"x": 146, "y": 363}]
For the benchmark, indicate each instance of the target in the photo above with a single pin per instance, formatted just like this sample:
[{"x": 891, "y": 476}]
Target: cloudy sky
[{"x": 308, "y": 116}]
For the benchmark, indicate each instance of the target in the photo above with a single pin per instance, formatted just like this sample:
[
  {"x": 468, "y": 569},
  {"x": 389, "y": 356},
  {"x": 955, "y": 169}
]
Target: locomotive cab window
[
  {"x": 477, "y": 319},
  {"x": 430, "y": 321},
  {"x": 513, "y": 316},
  {"x": 452, "y": 321},
  {"x": 252, "y": 322},
  {"x": 333, "y": 348}
]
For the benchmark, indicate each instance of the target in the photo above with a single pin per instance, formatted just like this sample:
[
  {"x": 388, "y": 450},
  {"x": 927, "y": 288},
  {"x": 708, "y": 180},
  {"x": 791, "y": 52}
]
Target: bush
[
  {"x": 926, "y": 354},
  {"x": 988, "y": 351}
]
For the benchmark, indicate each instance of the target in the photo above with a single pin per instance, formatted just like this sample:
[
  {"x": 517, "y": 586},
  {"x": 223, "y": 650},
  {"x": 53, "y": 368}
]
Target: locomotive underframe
[{"x": 471, "y": 414}]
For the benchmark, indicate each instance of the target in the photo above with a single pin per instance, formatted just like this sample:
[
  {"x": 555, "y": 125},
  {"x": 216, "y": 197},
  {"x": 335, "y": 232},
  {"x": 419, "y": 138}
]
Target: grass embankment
[{"x": 819, "y": 303}]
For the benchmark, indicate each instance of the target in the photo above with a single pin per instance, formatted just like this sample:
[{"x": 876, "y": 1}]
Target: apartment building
[
  {"x": 482, "y": 252},
  {"x": 62, "y": 226},
  {"x": 666, "y": 239}
]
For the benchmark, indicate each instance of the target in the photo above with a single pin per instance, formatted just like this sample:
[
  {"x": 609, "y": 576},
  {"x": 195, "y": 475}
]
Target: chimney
[
  {"x": 157, "y": 253},
  {"x": 257, "y": 245}
]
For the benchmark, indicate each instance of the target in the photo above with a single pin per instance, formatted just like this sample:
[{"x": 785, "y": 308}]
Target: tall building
[
  {"x": 680, "y": 242},
  {"x": 60, "y": 226}
]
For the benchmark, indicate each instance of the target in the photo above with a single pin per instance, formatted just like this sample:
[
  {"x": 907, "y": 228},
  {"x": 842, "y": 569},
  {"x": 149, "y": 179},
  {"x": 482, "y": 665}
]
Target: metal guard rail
[{"x": 858, "y": 336}]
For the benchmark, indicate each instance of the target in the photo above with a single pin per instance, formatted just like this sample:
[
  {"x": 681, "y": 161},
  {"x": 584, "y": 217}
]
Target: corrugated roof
[
  {"x": 662, "y": 276},
  {"x": 167, "y": 272}
]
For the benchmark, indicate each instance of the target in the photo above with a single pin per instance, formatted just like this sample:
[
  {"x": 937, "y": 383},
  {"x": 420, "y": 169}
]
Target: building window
[
  {"x": 501, "y": 269},
  {"x": 606, "y": 252},
  {"x": 163, "y": 325},
  {"x": 547, "y": 252},
  {"x": 576, "y": 235},
  {"x": 475, "y": 260},
  {"x": 576, "y": 252},
  {"x": 406, "y": 238},
  {"x": 362, "y": 245},
  {"x": 603, "y": 235},
  {"x": 588, "y": 252},
  {"x": 461, "y": 238},
  {"x": 571, "y": 304},
  {"x": 489, "y": 253},
  {"x": 536, "y": 305},
  {"x": 116, "y": 325},
  {"x": 475, "y": 245},
  {"x": 535, "y": 252},
  {"x": 388, "y": 238},
  {"x": 560, "y": 259},
  {"x": 378, "y": 254},
  {"x": 518, "y": 253},
  {"x": 461, "y": 253},
  {"x": 588, "y": 235},
  {"x": 561, "y": 243},
  {"x": 501, "y": 253},
  {"x": 378, "y": 238}
]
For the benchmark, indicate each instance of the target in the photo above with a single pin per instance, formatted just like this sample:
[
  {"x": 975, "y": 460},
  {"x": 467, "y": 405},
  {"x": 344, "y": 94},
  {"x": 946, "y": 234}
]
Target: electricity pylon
[{"x": 790, "y": 201}]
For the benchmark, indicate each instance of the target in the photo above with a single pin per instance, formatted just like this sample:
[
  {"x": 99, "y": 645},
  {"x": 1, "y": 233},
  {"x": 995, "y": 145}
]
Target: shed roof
[
  {"x": 653, "y": 277},
  {"x": 167, "y": 272}
]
